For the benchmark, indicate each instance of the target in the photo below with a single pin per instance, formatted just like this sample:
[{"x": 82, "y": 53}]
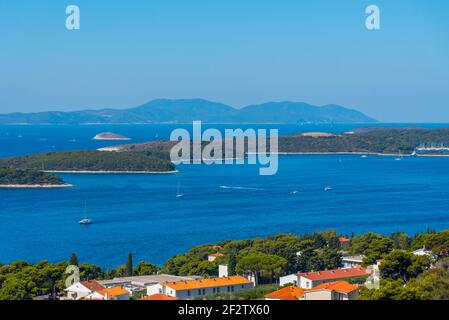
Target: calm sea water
[{"x": 140, "y": 213}]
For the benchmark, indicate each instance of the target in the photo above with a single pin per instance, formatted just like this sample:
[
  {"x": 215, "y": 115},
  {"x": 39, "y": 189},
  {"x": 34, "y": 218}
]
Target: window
[
  {"x": 228, "y": 289},
  {"x": 218, "y": 289},
  {"x": 199, "y": 291},
  {"x": 243, "y": 286},
  {"x": 204, "y": 291},
  {"x": 188, "y": 293},
  {"x": 232, "y": 288}
]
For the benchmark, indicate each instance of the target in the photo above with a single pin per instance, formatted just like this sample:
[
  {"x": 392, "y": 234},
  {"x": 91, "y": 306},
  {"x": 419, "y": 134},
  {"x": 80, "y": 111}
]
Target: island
[
  {"x": 110, "y": 136},
  {"x": 367, "y": 140},
  {"x": 91, "y": 161},
  {"x": 17, "y": 178}
]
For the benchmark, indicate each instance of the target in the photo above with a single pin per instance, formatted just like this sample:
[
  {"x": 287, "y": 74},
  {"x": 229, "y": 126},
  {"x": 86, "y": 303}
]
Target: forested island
[
  {"x": 110, "y": 136},
  {"x": 28, "y": 178},
  {"x": 91, "y": 162},
  {"x": 375, "y": 140}
]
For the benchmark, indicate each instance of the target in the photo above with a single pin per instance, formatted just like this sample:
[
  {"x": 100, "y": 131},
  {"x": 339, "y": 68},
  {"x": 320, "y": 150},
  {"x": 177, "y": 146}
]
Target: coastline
[
  {"x": 352, "y": 153},
  {"x": 35, "y": 186},
  {"x": 110, "y": 172},
  {"x": 112, "y": 139}
]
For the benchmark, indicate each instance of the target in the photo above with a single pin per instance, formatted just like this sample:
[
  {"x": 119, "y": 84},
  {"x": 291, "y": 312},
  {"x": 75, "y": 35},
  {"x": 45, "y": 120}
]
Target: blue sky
[{"x": 236, "y": 52}]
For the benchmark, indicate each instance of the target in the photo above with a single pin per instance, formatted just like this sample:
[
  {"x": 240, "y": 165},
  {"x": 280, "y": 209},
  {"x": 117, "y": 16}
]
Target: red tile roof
[
  {"x": 92, "y": 285},
  {"x": 344, "y": 240},
  {"x": 218, "y": 254},
  {"x": 159, "y": 296},
  {"x": 339, "y": 286},
  {"x": 287, "y": 293},
  {"x": 335, "y": 274},
  {"x": 206, "y": 283},
  {"x": 113, "y": 292}
]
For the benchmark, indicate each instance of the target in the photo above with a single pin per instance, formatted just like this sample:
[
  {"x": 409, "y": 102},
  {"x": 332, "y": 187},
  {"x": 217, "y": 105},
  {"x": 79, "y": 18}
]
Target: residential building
[
  {"x": 344, "y": 242},
  {"x": 339, "y": 290},
  {"x": 159, "y": 296},
  {"x": 287, "y": 293},
  {"x": 352, "y": 261},
  {"x": 424, "y": 252},
  {"x": 114, "y": 293},
  {"x": 150, "y": 283},
  {"x": 309, "y": 280},
  {"x": 213, "y": 256},
  {"x": 191, "y": 289},
  {"x": 289, "y": 279},
  {"x": 80, "y": 290}
]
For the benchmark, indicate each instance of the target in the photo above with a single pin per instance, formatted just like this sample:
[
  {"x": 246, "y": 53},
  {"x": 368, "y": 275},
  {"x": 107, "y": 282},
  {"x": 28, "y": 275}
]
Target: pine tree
[
  {"x": 74, "y": 260},
  {"x": 129, "y": 265},
  {"x": 232, "y": 263}
]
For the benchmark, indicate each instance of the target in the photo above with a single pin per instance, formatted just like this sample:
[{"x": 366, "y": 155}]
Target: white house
[
  {"x": 191, "y": 289},
  {"x": 213, "y": 256},
  {"x": 352, "y": 261},
  {"x": 82, "y": 289},
  {"x": 290, "y": 279},
  {"x": 114, "y": 293},
  {"x": 309, "y": 280},
  {"x": 339, "y": 290},
  {"x": 424, "y": 252}
]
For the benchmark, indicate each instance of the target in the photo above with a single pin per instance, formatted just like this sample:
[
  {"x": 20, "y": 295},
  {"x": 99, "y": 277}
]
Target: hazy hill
[{"x": 187, "y": 110}]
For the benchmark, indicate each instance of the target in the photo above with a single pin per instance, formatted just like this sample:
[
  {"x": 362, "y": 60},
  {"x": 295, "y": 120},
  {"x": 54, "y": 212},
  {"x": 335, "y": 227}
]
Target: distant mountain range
[{"x": 187, "y": 110}]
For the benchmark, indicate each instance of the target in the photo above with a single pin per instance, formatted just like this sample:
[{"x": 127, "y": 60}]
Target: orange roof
[
  {"x": 335, "y": 274},
  {"x": 113, "y": 292},
  {"x": 287, "y": 293},
  {"x": 159, "y": 296},
  {"x": 218, "y": 254},
  {"x": 206, "y": 283},
  {"x": 339, "y": 286},
  {"x": 92, "y": 285},
  {"x": 344, "y": 240}
]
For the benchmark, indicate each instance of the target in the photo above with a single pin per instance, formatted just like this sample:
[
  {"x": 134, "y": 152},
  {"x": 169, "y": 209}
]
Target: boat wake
[{"x": 240, "y": 188}]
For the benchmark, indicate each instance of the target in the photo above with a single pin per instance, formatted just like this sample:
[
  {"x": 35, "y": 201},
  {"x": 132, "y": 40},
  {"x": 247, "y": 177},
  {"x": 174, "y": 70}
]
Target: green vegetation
[
  {"x": 266, "y": 258},
  {"x": 11, "y": 176},
  {"x": 432, "y": 284},
  {"x": 90, "y": 161},
  {"x": 369, "y": 140},
  {"x": 129, "y": 265},
  {"x": 23, "y": 281}
]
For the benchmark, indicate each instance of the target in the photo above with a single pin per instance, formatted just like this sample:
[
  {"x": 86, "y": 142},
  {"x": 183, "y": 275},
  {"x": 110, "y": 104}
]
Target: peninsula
[
  {"x": 16, "y": 178},
  {"x": 91, "y": 162}
]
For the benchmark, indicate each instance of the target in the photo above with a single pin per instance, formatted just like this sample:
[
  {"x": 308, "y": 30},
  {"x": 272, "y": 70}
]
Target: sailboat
[
  {"x": 179, "y": 195},
  {"x": 85, "y": 220},
  {"x": 328, "y": 188}
]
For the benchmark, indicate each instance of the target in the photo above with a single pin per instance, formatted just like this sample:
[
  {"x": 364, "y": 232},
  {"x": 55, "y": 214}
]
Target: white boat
[
  {"x": 398, "y": 159},
  {"x": 294, "y": 192},
  {"x": 328, "y": 188},
  {"x": 86, "y": 221},
  {"x": 364, "y": 156},
  {"x": 179, "y": 195}
]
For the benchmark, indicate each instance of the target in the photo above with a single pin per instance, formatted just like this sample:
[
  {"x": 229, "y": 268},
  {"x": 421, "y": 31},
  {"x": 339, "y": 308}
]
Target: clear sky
[{"x": 236, "y": 52}]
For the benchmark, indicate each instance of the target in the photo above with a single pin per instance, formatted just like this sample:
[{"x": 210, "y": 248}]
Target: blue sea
[{"x": 140, "y": 213}]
